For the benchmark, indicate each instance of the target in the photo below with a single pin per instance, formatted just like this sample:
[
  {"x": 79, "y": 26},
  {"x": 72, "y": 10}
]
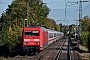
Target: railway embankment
[
  {"x": 85, "y": 54},
  {"x": 80, "y": 53},
  {"x": 70, "y": 53},
  {"x": 80, "y": 50}
]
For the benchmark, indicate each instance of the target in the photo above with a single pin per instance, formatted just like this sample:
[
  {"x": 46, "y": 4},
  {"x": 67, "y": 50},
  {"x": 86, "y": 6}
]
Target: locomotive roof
[{"x": 43, "y": 28}]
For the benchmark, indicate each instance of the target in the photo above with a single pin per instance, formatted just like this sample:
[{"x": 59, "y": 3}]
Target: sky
[
  {"x": 57, "y": 11},
  {"x": 3, "y": 5},
  {"x": 72, "y": 13}
]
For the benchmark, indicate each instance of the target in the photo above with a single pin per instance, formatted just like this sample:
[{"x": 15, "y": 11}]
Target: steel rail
[{"x": 59, "y": 53}]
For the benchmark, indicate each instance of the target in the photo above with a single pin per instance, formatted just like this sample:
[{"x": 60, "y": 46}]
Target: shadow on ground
[
  {"x": 77, "y": 49},
  {"x": 74, "y": 47},
  {"x": 4, "y": 52}
]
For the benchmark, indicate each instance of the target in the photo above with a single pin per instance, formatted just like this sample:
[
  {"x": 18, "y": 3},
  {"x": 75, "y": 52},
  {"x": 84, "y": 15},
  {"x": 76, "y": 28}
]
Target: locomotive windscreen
[{"x": 32, "y": 33}]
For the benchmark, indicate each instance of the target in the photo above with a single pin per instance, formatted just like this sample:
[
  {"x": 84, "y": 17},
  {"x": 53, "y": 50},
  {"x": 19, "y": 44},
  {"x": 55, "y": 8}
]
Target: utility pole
[
  {"x": 76, "y": 25},
  {"x": 80, "y": 15},
  {"x": 65, "y": 16},
  {"x": 75, "y": 32},
  {"x": 25, "y": 20},
  {"x": 27, "y": 15},
  {"x": 65, "y": 9},
  {"x": 27, "y": 12},
  {"x": 66, "y": 13}
]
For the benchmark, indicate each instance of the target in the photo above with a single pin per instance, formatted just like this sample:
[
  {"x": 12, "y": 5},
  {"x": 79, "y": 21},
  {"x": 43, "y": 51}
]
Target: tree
[
  {"x": 85, "y": 33},
  {"x": 12, "y": 21},
  {"x": 84, "y": 38}
]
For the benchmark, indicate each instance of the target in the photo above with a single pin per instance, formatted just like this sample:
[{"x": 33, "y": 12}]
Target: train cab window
[{"x": 32, "y": 33}]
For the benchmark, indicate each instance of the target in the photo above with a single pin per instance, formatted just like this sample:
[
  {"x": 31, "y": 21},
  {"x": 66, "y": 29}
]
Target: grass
[{"x": 2, "y": 58}]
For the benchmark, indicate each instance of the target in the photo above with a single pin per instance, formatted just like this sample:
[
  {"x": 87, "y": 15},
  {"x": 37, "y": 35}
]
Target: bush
[{"x": 84, "y": 38}]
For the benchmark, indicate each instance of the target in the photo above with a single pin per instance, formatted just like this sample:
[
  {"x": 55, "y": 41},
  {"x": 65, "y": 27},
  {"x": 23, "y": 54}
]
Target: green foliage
[
  {"x": 84, "y": 38},
  {"x": 12, "y": 21},
  {"x": 51, "y": 24},
  {"x": 3, "y": 29},
  {"x": 85, "y": 23}
]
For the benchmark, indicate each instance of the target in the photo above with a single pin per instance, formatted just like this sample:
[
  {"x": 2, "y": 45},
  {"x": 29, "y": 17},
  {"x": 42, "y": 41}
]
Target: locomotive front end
[{"x": 31, "y": 40}]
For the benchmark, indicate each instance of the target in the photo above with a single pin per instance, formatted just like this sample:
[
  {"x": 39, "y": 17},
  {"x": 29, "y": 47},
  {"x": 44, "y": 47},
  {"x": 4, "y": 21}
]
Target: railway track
[
  {"x": 49, "y": 53},
  {"x": 53, "y": 52},
  {"x": 68, "y": 52}
]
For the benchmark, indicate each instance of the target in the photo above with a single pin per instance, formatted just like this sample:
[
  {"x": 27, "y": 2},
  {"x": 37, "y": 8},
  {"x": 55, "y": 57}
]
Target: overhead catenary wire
[
  {"x": 44, "y": 2},
  {"x": 63, "y": 8},
  {"x": 53, "y": 2},
  {"x": 86, "y": 7}
]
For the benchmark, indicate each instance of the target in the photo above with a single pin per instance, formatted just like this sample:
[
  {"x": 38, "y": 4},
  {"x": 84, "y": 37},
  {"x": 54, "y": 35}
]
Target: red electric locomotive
[{"x": 37, "y": 38}]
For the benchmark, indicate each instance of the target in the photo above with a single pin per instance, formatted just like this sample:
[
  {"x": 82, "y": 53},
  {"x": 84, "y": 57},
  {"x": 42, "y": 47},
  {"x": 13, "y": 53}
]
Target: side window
[
  {"x": 57, "y": 34},
  {"x": 50, "y": 35},
  {"x": 54, "y": 34}
]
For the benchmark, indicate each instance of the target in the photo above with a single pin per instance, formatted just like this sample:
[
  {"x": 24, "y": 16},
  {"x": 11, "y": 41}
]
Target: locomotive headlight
[
  {"x": 26, "y": 40},
  {"x": 36, "y": 39}
]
